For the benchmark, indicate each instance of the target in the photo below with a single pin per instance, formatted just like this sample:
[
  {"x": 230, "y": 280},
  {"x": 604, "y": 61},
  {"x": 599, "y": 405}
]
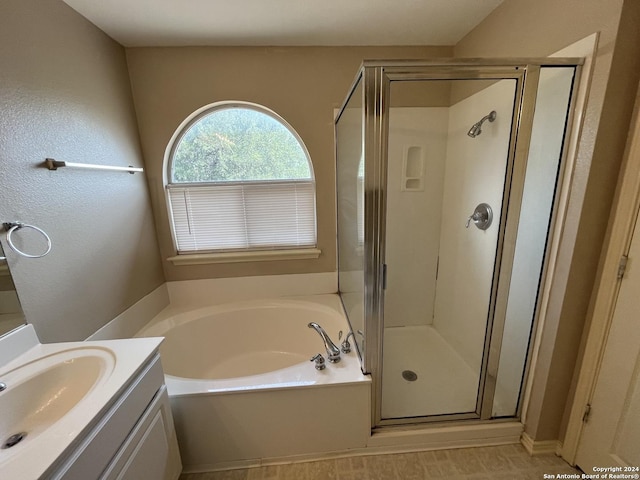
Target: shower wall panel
[
  {"x": 475, "y": 173},
  {"x": 417, "y": 154}
]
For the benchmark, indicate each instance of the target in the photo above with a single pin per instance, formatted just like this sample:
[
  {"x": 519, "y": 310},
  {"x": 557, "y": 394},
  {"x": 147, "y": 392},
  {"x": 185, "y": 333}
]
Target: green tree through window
[{"x": 234, "y": 144}]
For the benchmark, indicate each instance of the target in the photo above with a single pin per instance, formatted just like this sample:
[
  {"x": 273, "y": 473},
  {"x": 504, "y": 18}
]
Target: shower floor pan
[{"x": 443, "y": 382}]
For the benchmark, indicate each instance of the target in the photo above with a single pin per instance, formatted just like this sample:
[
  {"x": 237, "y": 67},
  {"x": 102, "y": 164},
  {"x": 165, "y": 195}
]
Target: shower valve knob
[
  {"x": 476, "y": 217},
  {"x": 481, "y": 217}
]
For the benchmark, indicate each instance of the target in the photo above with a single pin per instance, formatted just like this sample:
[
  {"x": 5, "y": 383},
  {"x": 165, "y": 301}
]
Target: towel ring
[{"x": 11, "y": 227}]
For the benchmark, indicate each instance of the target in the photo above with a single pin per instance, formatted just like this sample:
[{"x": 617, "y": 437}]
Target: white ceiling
[{"x": 136, "y": 23}]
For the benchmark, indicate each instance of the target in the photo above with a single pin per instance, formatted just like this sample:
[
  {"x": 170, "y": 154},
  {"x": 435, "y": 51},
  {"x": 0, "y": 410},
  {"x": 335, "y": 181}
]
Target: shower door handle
[{"x": 482, "y": 217}]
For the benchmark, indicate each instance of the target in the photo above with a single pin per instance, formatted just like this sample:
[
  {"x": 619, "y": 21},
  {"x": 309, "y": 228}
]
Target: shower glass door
[{"x": 448, "y": 153}]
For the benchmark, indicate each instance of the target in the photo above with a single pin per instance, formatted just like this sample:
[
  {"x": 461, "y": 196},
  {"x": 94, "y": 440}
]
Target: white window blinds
[{"x": 247, "y": 216}]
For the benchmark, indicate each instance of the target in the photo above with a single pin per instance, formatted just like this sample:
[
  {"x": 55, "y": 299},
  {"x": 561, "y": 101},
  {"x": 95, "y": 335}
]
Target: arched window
[{"x": 239, "y": 178}]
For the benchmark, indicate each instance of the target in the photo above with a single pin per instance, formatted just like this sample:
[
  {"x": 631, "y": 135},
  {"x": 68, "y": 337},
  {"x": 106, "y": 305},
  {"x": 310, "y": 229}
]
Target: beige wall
[
  {"x": 302, "y": 84},
  {"x": 525, "y": 28},
  {"x": 65, "y": 93}
]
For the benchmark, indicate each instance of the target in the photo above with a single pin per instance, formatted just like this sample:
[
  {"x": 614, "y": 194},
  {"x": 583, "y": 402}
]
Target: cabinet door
[
  {"x": 151, "y": 451},
  {"x": 148, "y": 459}
]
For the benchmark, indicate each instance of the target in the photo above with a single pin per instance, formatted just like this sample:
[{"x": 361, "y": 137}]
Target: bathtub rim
[
  {"x": 346, "y": 372},
  {"x": 187, "y": 387}
]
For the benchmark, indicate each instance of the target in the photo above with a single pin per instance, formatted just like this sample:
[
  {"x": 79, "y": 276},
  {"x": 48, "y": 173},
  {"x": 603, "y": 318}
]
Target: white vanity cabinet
[
  {"x": 134, "y": 439},
  {"x": 94, "y": 410}
]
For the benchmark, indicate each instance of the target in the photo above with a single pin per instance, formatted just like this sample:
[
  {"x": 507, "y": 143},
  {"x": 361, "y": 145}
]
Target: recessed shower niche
[{"x": 446, "y": 190}]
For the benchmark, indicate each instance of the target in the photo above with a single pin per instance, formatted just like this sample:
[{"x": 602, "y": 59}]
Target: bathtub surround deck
[
  {"x": 268, "y": 401},
  {"x": 485, "y": 463}
]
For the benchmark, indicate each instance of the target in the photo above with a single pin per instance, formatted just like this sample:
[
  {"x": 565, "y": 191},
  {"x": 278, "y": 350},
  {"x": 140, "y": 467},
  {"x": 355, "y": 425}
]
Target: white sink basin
[{"x": 41, "y": 392}]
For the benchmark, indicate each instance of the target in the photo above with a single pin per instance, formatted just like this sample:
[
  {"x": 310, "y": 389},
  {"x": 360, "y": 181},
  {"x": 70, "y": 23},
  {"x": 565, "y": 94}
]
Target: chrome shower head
[{"x": 476, "y": 129}]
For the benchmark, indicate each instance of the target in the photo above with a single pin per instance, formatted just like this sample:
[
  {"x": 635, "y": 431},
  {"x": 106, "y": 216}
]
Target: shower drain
[
  {"x": 13, "y": 440},
  {"x": 409, "y": 376}
]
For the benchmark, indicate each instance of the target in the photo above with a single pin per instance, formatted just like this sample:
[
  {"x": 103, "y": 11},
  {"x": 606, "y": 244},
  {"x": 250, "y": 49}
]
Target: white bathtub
[{"x": 242, "y": 387}]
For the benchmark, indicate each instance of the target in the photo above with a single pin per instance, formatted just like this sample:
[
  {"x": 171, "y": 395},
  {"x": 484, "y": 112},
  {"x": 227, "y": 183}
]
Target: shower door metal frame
[{"x": 377, "y": 77}]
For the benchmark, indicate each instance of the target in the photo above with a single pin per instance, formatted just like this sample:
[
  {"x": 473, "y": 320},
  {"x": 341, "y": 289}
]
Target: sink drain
[
  {"x": 409, "y": 375},
  {"x": 13, "y": 440}
]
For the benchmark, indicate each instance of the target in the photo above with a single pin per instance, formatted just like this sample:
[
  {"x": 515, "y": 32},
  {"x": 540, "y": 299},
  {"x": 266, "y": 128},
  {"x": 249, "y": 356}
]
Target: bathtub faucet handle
[
  {"x": 319, "y": 359},
  {"x": 345, "y": 346}
]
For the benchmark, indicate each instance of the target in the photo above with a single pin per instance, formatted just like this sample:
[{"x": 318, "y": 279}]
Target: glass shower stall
[{"x": 447, "y": 181}]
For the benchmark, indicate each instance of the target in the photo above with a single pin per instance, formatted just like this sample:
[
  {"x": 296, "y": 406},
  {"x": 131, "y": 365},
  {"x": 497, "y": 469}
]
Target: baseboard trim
[{"x": 539, "y": 447}]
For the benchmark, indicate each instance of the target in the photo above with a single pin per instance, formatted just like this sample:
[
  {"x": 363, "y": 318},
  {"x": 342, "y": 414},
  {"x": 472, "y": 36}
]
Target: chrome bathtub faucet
[{"x": 333, "y": 352}]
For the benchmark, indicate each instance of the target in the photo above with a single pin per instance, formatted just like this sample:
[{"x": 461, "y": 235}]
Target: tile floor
[{"x": 496, "y": 463}]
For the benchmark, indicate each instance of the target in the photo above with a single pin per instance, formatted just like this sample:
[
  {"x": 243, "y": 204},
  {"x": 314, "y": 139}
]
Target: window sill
[{"x": 236, "y": 257}]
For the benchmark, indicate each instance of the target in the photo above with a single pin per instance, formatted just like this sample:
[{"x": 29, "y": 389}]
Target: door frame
[{"x": 603, "y": 303}]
